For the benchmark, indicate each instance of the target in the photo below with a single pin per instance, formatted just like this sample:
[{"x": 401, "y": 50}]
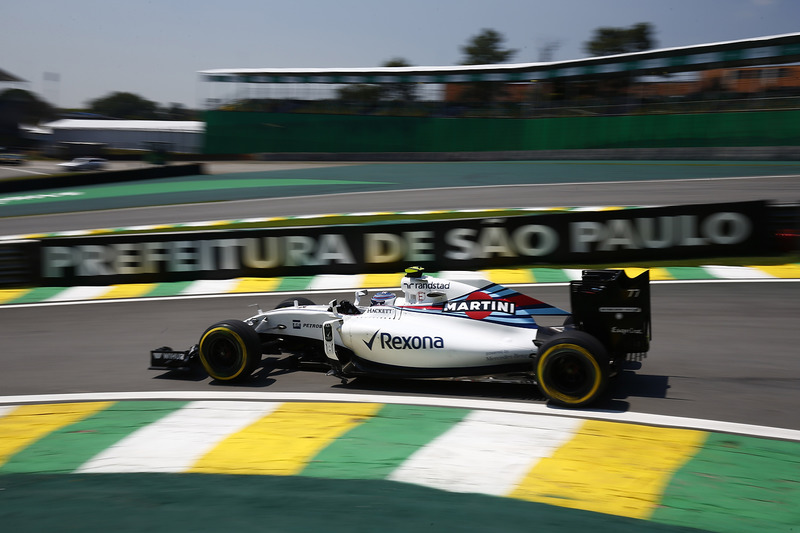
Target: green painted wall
[{"x": 241, "y": 133}]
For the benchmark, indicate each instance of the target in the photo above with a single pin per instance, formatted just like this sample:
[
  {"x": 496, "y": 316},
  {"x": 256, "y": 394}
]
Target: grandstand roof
[
  {"x": 774, "y": 49},
  {"x": 184, "y": 126},
  {"x": 7, "y": 76}
]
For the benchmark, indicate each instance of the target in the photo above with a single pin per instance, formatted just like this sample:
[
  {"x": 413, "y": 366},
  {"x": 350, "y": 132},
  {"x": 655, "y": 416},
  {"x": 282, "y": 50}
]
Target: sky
[{"x": 73, "y": 51}]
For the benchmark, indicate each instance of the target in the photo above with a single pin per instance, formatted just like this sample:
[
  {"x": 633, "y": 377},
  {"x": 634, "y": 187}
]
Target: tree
[
  {"x": 31, "y": 108},
  {"x": 404, "y": 92},
  {"x": 611, "y": 41},
  {"x": 18, "y": 106},
  {"x": 124, "y": 105},
  {"x": 485, "y": 49},
  {"x": 364, "y": 93},
  {"x": 176, "y": 111},
  {"x": 361, "y": 93}
]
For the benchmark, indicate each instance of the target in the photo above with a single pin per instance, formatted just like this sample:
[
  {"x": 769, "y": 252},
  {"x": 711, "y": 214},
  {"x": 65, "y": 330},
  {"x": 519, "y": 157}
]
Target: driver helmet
[{"x": 383, "y": 298}]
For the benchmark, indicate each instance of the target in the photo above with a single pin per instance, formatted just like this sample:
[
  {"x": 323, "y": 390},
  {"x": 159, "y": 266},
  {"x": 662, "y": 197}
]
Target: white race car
[
  {"x": 84, "y": 163},
  {"x": 445, "y": 328}
]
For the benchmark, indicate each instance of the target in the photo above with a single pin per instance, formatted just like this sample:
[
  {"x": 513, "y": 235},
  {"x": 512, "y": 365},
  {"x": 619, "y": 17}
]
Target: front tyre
[
  {"x": 572, "y": 369},
  {"x": 230, "y": 350},
  {"x": 289, "y": 302}
]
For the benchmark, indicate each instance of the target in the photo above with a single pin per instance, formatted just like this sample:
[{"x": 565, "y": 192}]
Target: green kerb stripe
[
  {"x": 38, "y": 294},
  {"x": 374, "y": 449},
  {"x": 65, "y": 450},
  {"x": 295, "y": 283},
  {"x": 689, "y": 273},
  {"x": 549, "y": 275},
  {"x": 168, "y": 289},
  {"x": 736, "y": 484}
]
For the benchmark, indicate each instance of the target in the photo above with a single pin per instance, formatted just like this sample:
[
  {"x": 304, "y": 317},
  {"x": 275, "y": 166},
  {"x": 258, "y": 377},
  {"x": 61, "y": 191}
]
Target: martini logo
[{"x": 479, "y": 305}]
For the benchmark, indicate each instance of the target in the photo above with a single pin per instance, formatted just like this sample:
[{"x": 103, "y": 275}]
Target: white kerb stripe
[
  {"x": 460, "y": 274},
  {"x": 573, "y": 273},
  {"x": 211, "y": 286},
  {"x": 336, "y": 281},
  {"x": 488, "y": 452},
  {"x": 79, "y": 293},
  {"x": 733, "y": 272},
  {"x": 177, "y": 441},
  {"x": 5, "y": 409}
]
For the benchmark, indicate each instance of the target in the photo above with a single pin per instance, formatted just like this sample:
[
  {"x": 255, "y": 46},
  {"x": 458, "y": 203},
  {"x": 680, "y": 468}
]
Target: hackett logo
[{"x": 400, "y": 342}]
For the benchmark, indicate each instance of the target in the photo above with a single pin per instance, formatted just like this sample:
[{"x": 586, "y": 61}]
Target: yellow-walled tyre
[
  {"x": 230, "y": 350},
  {"x": 572, "y": 369}
]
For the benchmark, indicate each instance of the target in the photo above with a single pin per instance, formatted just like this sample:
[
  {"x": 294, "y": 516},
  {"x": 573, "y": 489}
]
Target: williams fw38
[{"x": 465, "y": 327}]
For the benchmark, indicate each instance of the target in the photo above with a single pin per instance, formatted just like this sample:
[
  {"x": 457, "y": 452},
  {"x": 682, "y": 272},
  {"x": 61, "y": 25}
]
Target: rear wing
[{"x": 615, "y": 309}]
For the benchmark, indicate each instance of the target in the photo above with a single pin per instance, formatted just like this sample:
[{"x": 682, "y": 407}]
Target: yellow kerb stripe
[
  {"x": 509, "y": 276},
  {"x": 6, "y": 295},
  {"x": 611, "y": 468},
  {"x": 283, "y": 442},
  {"x": 131, "y": 290},
  {"x": 28, "y": 423},
  {"x": 781, "y": 271},
  {"x": 256, "y": 285},
  {"x": 655, "y": 273},
  {"x": 380, "y": 280}
]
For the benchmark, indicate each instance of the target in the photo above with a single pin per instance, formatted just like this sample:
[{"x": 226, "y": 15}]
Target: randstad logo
[{"x": 401, "y": 342}]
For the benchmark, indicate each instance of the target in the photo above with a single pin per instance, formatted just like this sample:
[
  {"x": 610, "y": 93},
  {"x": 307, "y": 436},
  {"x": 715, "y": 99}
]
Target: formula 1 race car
[{"x": 445, "y": 328}]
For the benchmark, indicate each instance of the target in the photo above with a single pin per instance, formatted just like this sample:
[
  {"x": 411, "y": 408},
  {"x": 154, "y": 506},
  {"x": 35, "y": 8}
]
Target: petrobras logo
[
  {"x": 296, "y": 324},
  {"x": 479, "y": 305},
  {"x": 402, "y": 342}
]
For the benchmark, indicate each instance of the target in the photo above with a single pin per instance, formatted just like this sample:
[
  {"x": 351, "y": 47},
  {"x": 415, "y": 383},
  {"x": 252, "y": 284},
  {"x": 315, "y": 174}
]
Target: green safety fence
[{"x": 250, "y": 132}]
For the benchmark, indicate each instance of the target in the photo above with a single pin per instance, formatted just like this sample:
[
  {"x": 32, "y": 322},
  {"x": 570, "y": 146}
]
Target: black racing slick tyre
[
  {"x": 572, "y": 369},
  {"x": 289, "y": 302},
  {"x": 230, "y": 350}
]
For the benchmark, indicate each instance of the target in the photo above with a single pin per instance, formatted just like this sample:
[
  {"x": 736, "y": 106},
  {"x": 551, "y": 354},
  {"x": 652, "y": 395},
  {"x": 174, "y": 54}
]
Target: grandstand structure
[
  {"x": 770, "y": 50},
  {"x": 655, "y": 99}
]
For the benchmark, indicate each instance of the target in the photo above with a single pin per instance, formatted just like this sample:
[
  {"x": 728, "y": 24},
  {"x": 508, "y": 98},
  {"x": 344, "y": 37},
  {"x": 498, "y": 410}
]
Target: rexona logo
[
  {"x": 401, "y": 342},
  {"x": 480, "y": 305}
]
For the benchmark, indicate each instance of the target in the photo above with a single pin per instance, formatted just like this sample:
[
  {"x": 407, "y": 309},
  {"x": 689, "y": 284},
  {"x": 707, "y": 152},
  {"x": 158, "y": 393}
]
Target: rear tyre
[
  {"x": 289, "y": 302},
  {"x": 230, "y": 350},
  {"x": 572, "y": 369}
]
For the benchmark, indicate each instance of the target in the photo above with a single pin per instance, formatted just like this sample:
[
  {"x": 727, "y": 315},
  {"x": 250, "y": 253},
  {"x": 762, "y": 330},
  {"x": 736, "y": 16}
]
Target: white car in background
[{"x": 85, "y": 163}]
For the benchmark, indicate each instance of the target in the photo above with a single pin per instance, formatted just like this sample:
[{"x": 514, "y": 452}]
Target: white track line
[{"x": 465, "y": 403}]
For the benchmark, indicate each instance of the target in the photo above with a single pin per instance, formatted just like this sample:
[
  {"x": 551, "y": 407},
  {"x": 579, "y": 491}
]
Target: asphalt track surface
[
  {"x": 276, "y": 189},
  {"x": 721, "y": 351}
]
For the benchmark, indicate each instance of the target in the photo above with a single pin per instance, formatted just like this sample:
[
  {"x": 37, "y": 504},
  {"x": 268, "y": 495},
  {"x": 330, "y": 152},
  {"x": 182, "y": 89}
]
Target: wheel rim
[
  {"x": 570, "y": 373},
  {"x": 224, "y": 354}
]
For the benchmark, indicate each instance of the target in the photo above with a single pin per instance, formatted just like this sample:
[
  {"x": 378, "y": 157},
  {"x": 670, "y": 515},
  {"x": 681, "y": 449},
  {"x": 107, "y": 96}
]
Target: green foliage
[
  {"x": 26, "y": 106},
  {"x": 610, "y": 41},
  {"x": 124, "y": 105},
  {"x": 401, "y": 92},
  {"x": 362, "y": 93},
  {"x": 486, "y": 49}
]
